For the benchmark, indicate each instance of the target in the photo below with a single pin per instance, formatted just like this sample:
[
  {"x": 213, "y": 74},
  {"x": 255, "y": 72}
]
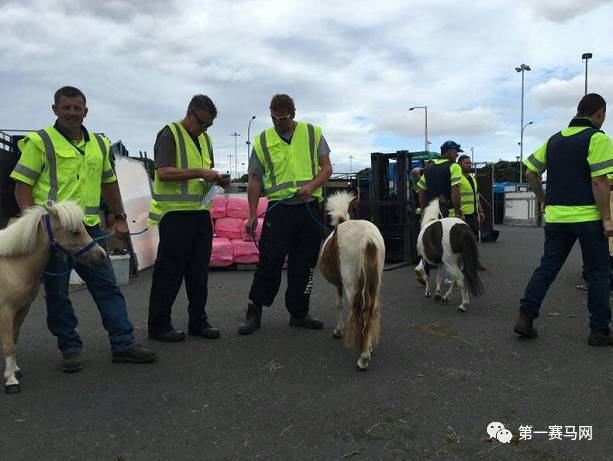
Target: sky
[{"x": 353, "y": 67}]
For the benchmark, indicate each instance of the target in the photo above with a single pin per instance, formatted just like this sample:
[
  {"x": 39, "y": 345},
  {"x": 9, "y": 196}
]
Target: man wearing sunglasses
[
  {"x": 292, "y": 161},
  {"x": 184, "y": 160}
]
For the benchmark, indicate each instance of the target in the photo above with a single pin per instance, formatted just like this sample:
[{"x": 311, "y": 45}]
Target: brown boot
[{"x": 523, "y": 326}]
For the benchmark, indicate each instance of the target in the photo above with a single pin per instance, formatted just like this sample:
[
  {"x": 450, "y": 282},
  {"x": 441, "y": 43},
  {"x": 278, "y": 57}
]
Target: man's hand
[
  {"x": 224, "y": 181},
  {"x": 481, "y": 216},
  {"x": 251, "y": 226},
  {"x": 210, "y": 175},
  {"x": 306, "y": 191},
  {"x": 607, "y": 224},
  {"x": 458, "y": 214},
  {"x": 542, "y": 205},
  {"x": 120, "y": 227}
]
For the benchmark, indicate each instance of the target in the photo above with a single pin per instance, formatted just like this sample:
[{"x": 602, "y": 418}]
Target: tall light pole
[
  {"x": 351, "y": 157},
  {"x": 230, "y": 168},
  {"x": 426, "y": 125},
  {"x": 472, "y": 157},
  {"x": 249, "y": 137},
  {"x": 587, "y": 57},
  {"x": 236, "y": 135},
  {"x": 521, "y": 149},
  {"x": 523, "y": 68}
]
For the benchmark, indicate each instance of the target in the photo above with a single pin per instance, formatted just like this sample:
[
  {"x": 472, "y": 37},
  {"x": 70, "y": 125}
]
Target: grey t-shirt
[
  {"x": 165, "y": 150},
  {"x": 257, "y": 169}
]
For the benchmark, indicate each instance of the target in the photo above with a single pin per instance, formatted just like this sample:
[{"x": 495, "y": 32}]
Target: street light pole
[
  {"x": 236, "y": 135},
  {"x": 425, "y": 125},
  {"x": 521, "y": 149},
  {"x": 249, "y": 138},
  {"x": 587, "y": 57},
  {"x": 523, "y": 68},
  {"x": 351, "y": 157}
]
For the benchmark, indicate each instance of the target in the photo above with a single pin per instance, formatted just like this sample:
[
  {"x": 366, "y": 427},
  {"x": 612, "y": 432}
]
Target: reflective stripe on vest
[
  {"x": 184, "y": 196},
  {"x": 274, "y": 187},
  {"x": 53, "y": 179}
]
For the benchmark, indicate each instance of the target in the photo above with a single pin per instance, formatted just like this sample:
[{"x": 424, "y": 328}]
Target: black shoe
[
  {"x": 253, "y": 320},
  {"x": 600, "y": 339},
  {"x": 206, "y": 331},
  {"x": 523, "y": 326},
  {"x": 171, "y": 336},
  {"x": 135, "y": 354},
  {"x": 306, "y": 322},
  {"x": 72, "y": 362}
]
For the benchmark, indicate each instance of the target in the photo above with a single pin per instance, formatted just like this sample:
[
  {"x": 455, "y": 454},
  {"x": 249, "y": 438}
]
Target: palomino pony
[
  {"x": 449, "y": 243},
  {"x": 352, "y": 259},
  {"x": 24, "y": 252}
]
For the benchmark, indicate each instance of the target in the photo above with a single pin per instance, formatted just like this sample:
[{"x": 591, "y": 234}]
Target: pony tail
[
  {"x": 337, "y": 206},
  {"x": 431, "y": 213},
  {"x": 364, "y": 308},
  {"x": 472, "y": 266}
]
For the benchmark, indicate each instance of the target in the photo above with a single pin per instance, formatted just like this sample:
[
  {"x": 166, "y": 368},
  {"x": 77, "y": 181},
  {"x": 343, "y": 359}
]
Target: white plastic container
[{"x": 121, "y": 267}]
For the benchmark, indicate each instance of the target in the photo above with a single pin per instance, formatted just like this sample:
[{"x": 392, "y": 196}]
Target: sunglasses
[
  {"x": 203, "y": 125},
  {"x": 285, "y": 118}
]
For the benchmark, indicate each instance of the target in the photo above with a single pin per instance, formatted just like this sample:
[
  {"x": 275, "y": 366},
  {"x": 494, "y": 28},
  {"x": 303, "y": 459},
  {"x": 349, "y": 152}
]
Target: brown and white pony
[
  {"x": 24, "y": 252},
  {"x": 449, "y": 243},
  {"x": 352, "y": 259}
]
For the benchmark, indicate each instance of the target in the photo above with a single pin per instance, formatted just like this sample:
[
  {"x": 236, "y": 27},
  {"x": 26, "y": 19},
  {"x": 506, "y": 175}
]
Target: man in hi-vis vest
[
  {"x": 67, "y": 162},
  {"x": 184, "y": 160},
  {"x": 292, "y": 162},
  {"x": 470, "y": 203}
]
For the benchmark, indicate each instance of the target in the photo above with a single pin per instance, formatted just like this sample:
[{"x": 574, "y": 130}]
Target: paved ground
[{"x": 438, "y": 377}]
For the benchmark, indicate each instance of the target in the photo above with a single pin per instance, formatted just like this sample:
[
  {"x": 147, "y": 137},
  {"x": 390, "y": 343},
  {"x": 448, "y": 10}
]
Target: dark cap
[{"x": 448, "y": 145}]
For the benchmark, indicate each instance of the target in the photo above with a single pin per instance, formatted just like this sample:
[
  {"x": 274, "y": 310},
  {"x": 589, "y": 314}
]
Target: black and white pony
[
  {"x": 449, "y": 243},
  {"x": 352, "y": 260}
]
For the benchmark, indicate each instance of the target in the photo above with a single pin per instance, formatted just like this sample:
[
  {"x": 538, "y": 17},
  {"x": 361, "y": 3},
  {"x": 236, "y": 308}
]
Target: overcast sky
[{"x": 353, "y": 67}]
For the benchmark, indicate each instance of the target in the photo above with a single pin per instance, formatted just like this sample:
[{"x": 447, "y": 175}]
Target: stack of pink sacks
[{"x": 231, "y": 243}]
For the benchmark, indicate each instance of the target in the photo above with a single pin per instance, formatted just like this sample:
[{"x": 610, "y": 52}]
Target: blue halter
[{"x": 56, "y": 246}]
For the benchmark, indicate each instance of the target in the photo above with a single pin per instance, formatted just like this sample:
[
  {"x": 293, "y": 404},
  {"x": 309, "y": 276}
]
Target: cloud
[{"x": 352, "y": 67}]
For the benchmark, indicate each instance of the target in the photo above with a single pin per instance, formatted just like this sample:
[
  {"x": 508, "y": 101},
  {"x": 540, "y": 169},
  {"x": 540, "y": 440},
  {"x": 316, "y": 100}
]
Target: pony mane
[
  {"x": 337, "y": 206},
  {"x": 69, "y": 214},
  {"x": 20, "y": 237},
  {"x": 431, "y": 213}
]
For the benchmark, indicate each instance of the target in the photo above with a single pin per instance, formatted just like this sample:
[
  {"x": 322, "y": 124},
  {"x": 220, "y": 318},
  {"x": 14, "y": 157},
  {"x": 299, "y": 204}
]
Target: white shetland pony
[
  {"x": 449, "y": 243},
  {"x": 24, "y": 251},
  {"x": 352, "y": 259}
]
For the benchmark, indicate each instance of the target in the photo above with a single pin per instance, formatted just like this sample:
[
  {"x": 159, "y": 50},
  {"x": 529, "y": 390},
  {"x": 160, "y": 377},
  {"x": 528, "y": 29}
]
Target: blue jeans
[
  {"x": 100, "y": 280},
  {"x": 559, "y": 240}
]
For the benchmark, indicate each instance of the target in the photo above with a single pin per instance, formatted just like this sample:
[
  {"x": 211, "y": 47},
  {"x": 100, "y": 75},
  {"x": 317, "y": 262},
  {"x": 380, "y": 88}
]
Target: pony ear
[{"x": 49, "y": 206}]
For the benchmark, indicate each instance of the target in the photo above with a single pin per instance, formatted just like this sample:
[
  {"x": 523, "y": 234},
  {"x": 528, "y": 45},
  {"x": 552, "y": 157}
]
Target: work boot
[
  {"x": 72, "y": 361},
  {"x": 523, "y": 326},
  {"x": 306, "y": 322},
  {"x": 170, "y": 336},
  {"x": 206, "y": 331},
  {"x": 597, "y": 338},
  {"x": 135, "y": 354},
  {"x": 253, "y": 320}
]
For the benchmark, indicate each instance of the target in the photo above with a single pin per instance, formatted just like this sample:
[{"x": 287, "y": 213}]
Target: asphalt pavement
[{"x": 438, "y": 377}]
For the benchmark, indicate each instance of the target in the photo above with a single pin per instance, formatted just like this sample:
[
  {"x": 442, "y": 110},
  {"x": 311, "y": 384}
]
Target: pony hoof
[
  {"x": 336, "y": 335},
  {"x": 438, "y": 298},
  {"x": 359, "y": 368},
  {"x": 428, "y": 295},
  {"x": 445, "y": 300},
  {"x": 12, "y": 389},
  {"x": 461, "y": 308},
  {"x": 18, "y": 374}
]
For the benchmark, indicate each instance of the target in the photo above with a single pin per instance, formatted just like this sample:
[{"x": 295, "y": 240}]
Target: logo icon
[{"x": 497, "y": 431}]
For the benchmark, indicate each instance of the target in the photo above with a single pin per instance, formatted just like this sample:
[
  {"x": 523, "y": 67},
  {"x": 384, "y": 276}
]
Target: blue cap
[{"x": 448, "y": 145}]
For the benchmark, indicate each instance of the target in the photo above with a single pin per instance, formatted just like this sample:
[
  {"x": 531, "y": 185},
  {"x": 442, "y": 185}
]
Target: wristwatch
[{"x": 121, "y": 215}]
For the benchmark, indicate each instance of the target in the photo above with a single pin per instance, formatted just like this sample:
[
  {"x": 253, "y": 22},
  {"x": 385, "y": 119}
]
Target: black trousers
[
  {"x": 184, "y": 251},
  {"x": 289, "y": 230},
  {"x": 473, "y": 222}
]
